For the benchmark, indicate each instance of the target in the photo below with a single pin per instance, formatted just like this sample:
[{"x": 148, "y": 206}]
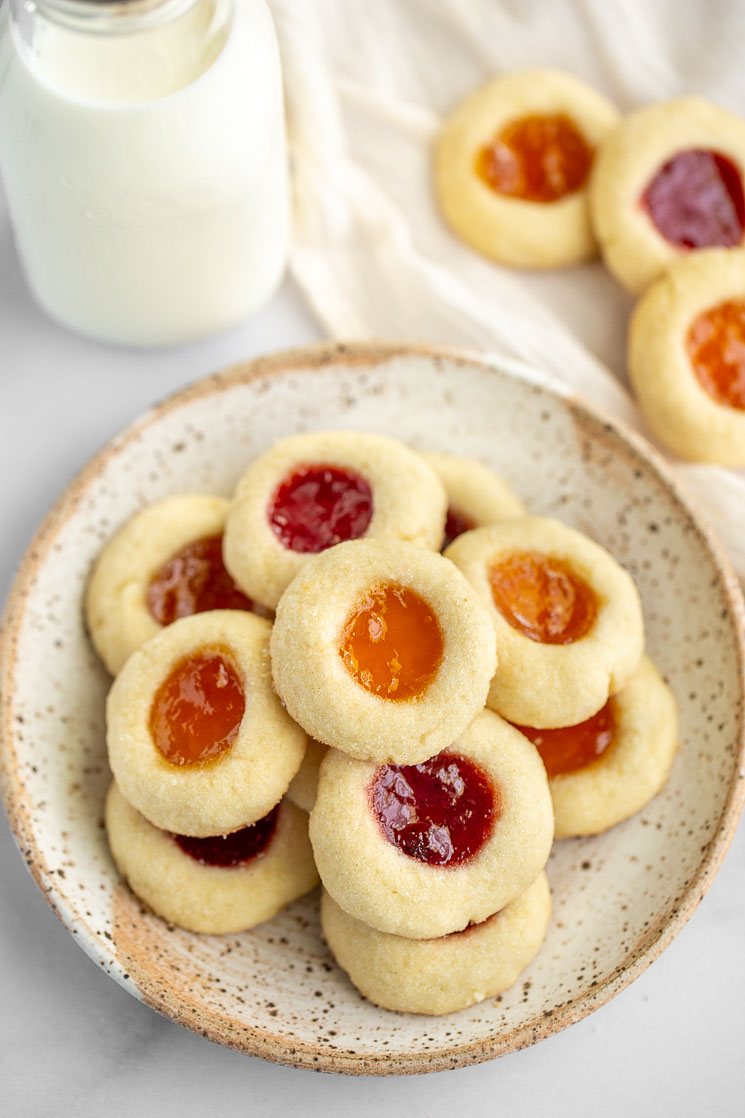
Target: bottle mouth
[{"x": 122, "y": 16}]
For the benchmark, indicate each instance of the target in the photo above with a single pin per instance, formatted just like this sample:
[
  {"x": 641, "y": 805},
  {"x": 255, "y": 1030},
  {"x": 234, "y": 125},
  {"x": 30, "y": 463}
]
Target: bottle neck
[{"x": 119, "y": 52}]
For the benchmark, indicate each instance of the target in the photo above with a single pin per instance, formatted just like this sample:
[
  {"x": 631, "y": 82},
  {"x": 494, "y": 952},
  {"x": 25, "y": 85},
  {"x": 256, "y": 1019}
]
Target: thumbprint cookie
[
  {"x": 304, "y": 784},
  {"x": 429, "y": 848},
  {"x": 687, "y": 357},
  {"x": 668, "y": 181},
  {"x": 608, "y": 767},
  {"x": 216, "y": 885},
  {"x": 310, "y": 492},
  {"x": 512, "y": 164},
  {"x": 198, "y": 741},
  {"x": 382, "y": 650},
  {"x": 449, "y": 972},
  {"x": 475, "y": 494},
  {"x": 166, "y": 562},
  {"x": 568, "y": 618}
]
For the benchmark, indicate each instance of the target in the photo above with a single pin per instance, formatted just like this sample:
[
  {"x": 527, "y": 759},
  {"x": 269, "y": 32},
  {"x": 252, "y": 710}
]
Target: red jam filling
[
  {"x": 440, "y": 812},
  {"x": 456, "y": 524},
  {"x": 193, "y": 580},
  {"x": 542, "y": 597},
  {"x": 392, "y": 643},
  {"x": 319, "y": 506},
  {"x": 570, "y": 748},
  {"x": 234, "y": 849},
  {"x": 538, "y": 158},
  {"x": 696, "y": 200},
  {"x": 715, "y": 344},
  {"x": 197, "y": 710}
]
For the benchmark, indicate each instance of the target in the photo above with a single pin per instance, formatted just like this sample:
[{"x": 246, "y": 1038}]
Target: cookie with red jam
[
  {"x": 476, "y": 496},
  {"x": 197, "y": 739},
  {"x": 687, "y": 357},
  {"x": 164, "y": 563},
  {"x": 667, "y": 182},
  {"x": 382, "y": 650},
  {"x": 568, "y": 618},
  {"x": 444, "y": 974},
  {"x": 428, "y": 848},
  {"x": 512, "y": 164},
  {"x": 308, "y": 493},
  {"x": 610, "y": 766},
  {"x": 216, "y": 885}
]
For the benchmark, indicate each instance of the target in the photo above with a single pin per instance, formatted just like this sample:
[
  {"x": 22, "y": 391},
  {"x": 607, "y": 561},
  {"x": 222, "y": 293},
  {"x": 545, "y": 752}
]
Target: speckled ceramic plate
[{"x": 618, "y": 899}]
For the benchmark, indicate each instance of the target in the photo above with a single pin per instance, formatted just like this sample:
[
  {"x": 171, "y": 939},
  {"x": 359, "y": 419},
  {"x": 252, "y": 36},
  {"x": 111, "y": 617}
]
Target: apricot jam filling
[
  {"x": 696, "y": 200},
  {"x": 715, "y": 343},
  {"x": 440, "y": 812},
  {"x": 539, "y": 158},
  {"x": 542, "y": 597},
  {"x": 456, "y": 523},
  {"x": 197, "y": 710},
  {"x": 193, "y": 580},
  {"x": 392, "y": 643},
  {"x": 574, "y": 747},
  {"x": 319, "y": 506},
  {"x": 234, "y": 849}
]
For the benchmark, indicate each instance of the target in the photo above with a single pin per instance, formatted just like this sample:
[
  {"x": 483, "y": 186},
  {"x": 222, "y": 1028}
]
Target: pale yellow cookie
[
  {"x": 314, "y": 669},
  {"x": 304, "y": 784},
  {"x": 408, "y": 503},
  {"x": 116, "y": 607},
  {"x": 476, "y": 496},
  {"x": 375, "y": 881},
  {"x": 211, "y": 899},
  {"x": 440, "y": 975},
  {"x": 514, "y": 230},
  {"x": 642, "y": 723},
  {"x": 554, "y": 684},
  {"x": 234, "y": 788},
  {"x": 684, "y": 415},
  {"x": 633, "y": 248}
]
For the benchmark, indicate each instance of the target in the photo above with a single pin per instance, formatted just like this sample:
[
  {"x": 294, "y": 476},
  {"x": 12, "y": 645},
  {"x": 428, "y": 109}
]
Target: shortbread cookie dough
[
  {"x": 687, "y": 357},
  {"x": 177, "y": 543},
  {"x": 224, "y": 893},
  {"x": 382, "y": 649},
  {"x": 512, "y": 163},
  {"x": 575, "y": 631},
  {"x": 607, "y": 769},
  {"x": 310, "y": 492},
  {"x": 476, "y": 496},
  {"x": 197, "y": 739},
  {"x": 304, "y": 784},
  {"x": 669, "y": 180},
  {"x": 445, "y": 974},
  {"x": 429, "y": 848}
]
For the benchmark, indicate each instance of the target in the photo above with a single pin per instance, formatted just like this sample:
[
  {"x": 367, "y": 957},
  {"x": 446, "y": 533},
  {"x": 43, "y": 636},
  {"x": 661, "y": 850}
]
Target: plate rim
[{"x": 302, "y": 1054}]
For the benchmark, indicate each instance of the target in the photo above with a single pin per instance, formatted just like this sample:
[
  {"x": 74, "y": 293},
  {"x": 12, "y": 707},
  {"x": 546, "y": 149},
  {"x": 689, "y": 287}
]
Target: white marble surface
[{"x": 72, "y": 1043}]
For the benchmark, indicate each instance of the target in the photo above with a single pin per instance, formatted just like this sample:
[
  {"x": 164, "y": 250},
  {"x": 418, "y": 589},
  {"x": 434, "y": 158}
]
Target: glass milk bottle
[{"x": 143, "y": 154}]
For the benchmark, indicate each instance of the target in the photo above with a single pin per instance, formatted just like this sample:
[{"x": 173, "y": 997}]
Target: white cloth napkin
[{"x": 367, "y": 84}]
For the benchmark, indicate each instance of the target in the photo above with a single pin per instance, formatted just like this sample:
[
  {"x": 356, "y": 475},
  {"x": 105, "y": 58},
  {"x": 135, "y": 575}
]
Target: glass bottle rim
[{"x": 106, "y": 16}]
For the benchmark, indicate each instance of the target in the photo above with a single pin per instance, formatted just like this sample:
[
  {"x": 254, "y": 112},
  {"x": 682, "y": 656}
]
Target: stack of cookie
[
  {"x": 425, "y": 708},
  {"x": 538, "y": 170}
]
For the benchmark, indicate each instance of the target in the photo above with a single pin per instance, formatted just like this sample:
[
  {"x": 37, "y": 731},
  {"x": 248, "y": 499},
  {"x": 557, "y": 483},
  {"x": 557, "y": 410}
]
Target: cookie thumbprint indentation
[
  {"x": 392, "y": 643},
  {"x": 696, "y": 200},
  {"x": 538, "y": 158},
  {"x": 319, "y": 506},
  {"x": 715, "y": 343},
  {"x": 235, "y": 849},
  {"x": 542, "y": 597},
  {"x": 456, "y": 523},
  {"x": 193, "y": 580},
  {"x": 570, "y": 748},
  {"x": 440, "y": 812},
  {"x": 197, "y": 710}
]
